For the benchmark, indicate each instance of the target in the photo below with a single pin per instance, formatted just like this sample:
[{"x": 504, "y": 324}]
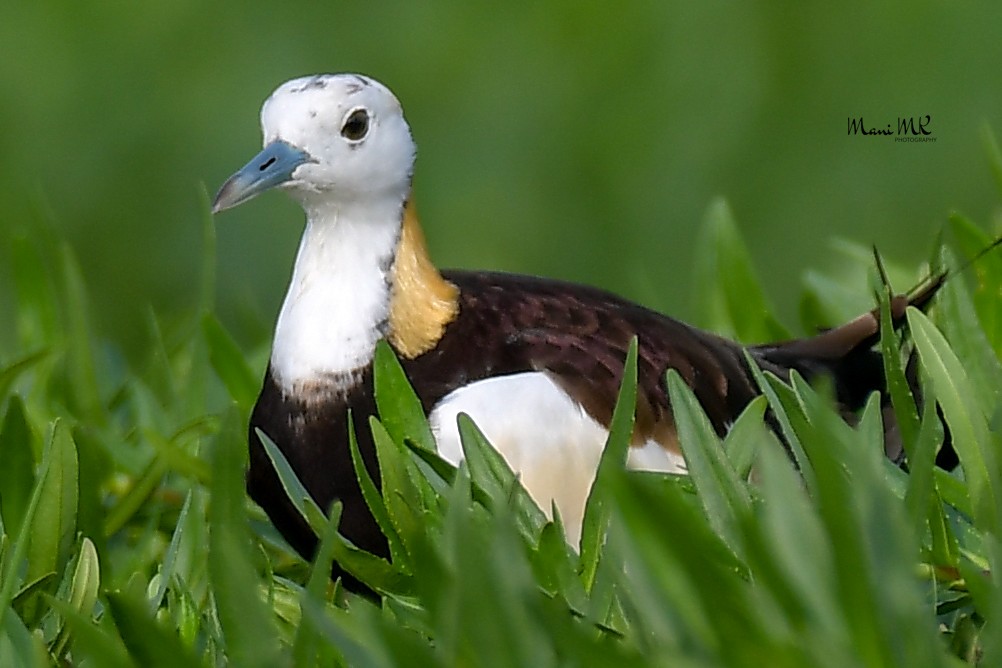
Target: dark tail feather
[{"x": 846, "y": 354}]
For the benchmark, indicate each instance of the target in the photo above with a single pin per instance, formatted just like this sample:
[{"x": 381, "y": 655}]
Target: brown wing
[{"x": 580, "y": 336}]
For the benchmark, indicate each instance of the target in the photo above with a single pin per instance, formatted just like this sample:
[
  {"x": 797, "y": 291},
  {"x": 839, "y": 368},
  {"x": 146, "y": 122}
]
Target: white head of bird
[
  {"x": 339, "y": 145},
  {"x": 328, "y": 139}
]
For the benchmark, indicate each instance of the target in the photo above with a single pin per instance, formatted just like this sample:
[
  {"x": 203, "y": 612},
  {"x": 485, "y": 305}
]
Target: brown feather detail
[{"x": 422, "y": 303}]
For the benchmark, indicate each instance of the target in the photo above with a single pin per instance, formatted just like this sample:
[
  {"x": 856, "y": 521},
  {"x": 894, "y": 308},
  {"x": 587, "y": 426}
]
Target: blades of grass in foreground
[
  {"x": 597, "y": 508},
  {"x": 790, "y": 554},
  {"x": 400, "y": 410},
  {"x": 681, "y": 584},
  {"x": 34, "y": 287},
  {"x": 490, "y": 473},
  {"x": 402, "y": 497},
  {"x": 83, "y": 593},
  {"x": 166, "y": 571},
  {"x": 728, "y": 287},
  {"x": 14, "y": 556},
  {"x": 374, "y": 500},
  {"x": 17, "y": 475},
  {"x": 14, "y": 370},
  {"x": 90, "y": 641},
  {"x": 723, "y": 496},
  {"x": 993, "y": 608},
  {"x": 83, "y": 374},
  {"x": 968, "y": 427},
  {"x": 987, "y": 273},
  {"x": 870, "y": 537},
  {"x": 747, "y": 435},
  {"x": 364, "y": 636},
  {"x": 902, "y": 401},
  {"x": 305, "y": 646},
  {"x": 134, "y": 499},
  {"x": 959, "y": 322},
  {"x": 922, "y": 498},
  {"x": 149, "y": 642},
  {"x": 785, "y": 412},
  {"x": 248, "y": 628},
  {"x": 53, "y": 528},
  {"x": 294, "y": 490},
  {"x": 230, "y": 363}
]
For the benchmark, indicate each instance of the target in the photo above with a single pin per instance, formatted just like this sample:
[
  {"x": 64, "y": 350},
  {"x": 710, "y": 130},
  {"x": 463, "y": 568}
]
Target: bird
[{"x": 535, "y": 362}]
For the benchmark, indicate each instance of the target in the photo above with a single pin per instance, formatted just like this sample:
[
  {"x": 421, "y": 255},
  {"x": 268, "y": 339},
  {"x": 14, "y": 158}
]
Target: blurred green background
[{"x": 571, "y": 139}]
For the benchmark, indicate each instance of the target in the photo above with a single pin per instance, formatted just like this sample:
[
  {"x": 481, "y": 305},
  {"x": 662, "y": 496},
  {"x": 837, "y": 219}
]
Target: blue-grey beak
[{"x": 271, "y": 167}]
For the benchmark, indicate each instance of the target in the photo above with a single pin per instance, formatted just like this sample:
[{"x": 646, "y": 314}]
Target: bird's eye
[{"x": 356, "y": 125}]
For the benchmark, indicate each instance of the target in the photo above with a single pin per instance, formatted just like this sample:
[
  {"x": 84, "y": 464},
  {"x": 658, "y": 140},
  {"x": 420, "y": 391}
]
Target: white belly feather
[{"x": 548, "y": 440}]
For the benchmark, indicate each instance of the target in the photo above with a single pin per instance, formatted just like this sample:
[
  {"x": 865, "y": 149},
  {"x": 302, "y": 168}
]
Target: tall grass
[{"x": 128, "y": 538}]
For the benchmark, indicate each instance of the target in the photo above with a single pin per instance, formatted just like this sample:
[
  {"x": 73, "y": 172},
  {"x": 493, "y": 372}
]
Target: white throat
[{"x": 338, "y": 302}]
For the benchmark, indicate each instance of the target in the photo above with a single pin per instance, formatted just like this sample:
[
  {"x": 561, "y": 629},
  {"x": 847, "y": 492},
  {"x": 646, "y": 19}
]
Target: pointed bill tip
[
  {"x": 271, "y": 167},
  {"x": 228, "y": 197}
]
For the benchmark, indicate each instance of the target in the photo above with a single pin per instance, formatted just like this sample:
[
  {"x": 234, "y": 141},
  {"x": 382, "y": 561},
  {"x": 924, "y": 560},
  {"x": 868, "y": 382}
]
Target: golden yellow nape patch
[{"x": 422, "y": 303}]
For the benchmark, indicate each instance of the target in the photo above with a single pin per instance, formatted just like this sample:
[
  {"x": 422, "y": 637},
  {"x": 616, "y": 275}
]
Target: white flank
[{"x": 550, "y": 442}]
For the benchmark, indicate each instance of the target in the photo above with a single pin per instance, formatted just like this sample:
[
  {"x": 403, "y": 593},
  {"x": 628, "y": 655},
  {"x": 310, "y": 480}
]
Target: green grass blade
[
  {"x": 954, "y": 491},
  {"x": 689, "y": 589},
  {"x": 728, "y": 289},
  {"x": 171, "y": 555},
  {"x": 723, "y": 497},
  {"x": 17, "y": 475},
  {"x": 83, "y": 593},
  {"x": 922, "y": 500},
  {"x": 20, "y": 647},
  {"x": 401, "y": 495},
  {"x": 14, "y": 559},
  {"x": 992, "y": 608},
  {"x": 374, "y": 500},
  {"x": 790, "y": 551},
  {"x": 37, "y": 313},
  {"x": 230, "y": 363},
  {"x": 10, "y": 373},
  {"x": 82, "y": 371},
  {"x": 90, "y": 641},
  {"x": 902, "y": 400},
  {"x": 440, "y": 472},
  {"x": 746, "y": 437},
  {"x": 365, "y": 638},
  {"x": 957, "y": 319},
  {"x": 375, "y": 572},
  {"x": 785, "y": 411},
  {"x": 400, "y": 410},
  {"x": 597, "y": 509},
  {"x": 53, "y": 528},
  {"x": 305, "y": 644},
  {"x": 133, "y": 500},
  {"x": 987, "y": 272},
  {"x": 490, "y": 473},
  {"x": 149, "y": 643},
  {"x": 251, "y": 637},
  {"x": 294, "y": 490},
  {"x": 968, "y": 426}
]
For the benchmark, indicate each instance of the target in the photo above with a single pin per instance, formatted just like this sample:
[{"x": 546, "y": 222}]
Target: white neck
[{"x": 338, "y": 302}]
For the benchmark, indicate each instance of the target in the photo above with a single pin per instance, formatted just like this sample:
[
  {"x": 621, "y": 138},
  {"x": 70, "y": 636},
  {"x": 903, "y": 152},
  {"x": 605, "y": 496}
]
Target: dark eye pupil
[{"x": 356, "y": 126}]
